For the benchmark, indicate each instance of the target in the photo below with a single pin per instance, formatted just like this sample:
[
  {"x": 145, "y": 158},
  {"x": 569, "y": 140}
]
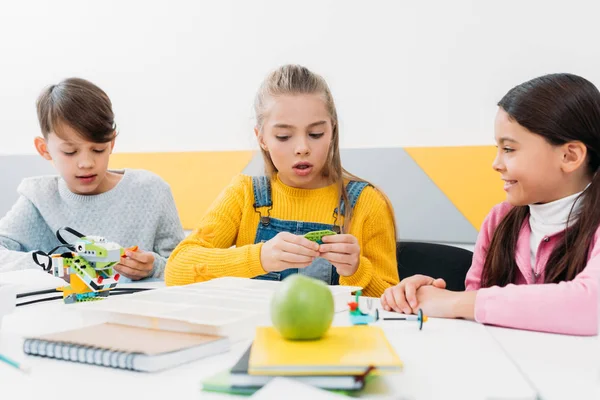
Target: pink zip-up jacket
[{"x": 565, "y": 307}]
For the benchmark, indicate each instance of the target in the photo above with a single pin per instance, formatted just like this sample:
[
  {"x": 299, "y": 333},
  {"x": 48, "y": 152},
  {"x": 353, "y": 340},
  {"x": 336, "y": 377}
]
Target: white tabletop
[
  {"x": 449, "y": 359},
  {"x": 557, "y": 366}
]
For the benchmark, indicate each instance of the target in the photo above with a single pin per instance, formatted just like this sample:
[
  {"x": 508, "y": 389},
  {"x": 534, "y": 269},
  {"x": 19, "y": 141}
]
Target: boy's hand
[{"x": 136, "y": 265}]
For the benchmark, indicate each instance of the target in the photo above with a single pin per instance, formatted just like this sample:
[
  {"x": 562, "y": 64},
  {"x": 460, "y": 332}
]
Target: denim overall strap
[
  {"x": 261, "y": 186},
  {"x": 353, "y": 189}
]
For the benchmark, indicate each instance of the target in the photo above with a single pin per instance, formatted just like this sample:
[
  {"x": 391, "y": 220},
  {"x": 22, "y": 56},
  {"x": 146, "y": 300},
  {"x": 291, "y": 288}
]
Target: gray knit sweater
[{"x": 139, "y": 210}]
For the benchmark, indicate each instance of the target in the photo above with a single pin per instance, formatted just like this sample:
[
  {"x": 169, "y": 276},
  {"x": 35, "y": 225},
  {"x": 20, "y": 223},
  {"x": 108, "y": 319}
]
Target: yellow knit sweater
[{"x": 207, "y": 252}]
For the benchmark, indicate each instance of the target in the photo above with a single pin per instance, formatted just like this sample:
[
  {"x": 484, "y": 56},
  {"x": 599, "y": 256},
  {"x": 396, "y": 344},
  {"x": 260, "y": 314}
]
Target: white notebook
[
  {"x": 281, "y": 388},
  {"x": 231, "y": 307}
]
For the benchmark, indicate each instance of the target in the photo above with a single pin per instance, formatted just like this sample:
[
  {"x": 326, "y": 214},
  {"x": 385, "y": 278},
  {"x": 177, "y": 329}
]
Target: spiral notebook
[{"x": 126, "y": 347}]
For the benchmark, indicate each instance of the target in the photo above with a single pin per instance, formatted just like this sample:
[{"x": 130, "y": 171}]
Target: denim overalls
[{"x": 269, "y": 227}]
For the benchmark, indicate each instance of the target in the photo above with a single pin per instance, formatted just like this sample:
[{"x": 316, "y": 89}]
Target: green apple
[{"x": 302, "y": 308}]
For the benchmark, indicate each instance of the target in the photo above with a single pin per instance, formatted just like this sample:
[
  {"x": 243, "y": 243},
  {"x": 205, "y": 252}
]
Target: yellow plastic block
[{"x": 77, "y": 285}]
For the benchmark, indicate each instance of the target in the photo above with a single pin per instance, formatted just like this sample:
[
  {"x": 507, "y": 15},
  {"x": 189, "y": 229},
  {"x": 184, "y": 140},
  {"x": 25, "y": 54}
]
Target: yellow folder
[{"x": 344, "y": 350}]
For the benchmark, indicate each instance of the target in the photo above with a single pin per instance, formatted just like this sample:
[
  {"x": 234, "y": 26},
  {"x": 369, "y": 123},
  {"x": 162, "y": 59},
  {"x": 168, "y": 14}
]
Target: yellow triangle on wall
[
  {"x": 196, "y": 178},
  {"x": 465, "y": 176}
]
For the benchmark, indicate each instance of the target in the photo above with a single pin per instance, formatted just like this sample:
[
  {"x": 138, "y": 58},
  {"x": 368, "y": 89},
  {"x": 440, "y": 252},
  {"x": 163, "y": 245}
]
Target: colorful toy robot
[
  {"x": 357, "y": 317},
  {"x": 420, "y": 318},
  {"x": 88, "y": 268}
]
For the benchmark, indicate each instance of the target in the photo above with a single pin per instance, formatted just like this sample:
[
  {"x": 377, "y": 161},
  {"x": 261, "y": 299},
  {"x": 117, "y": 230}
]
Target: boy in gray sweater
[{"x": 129, "y": 207}]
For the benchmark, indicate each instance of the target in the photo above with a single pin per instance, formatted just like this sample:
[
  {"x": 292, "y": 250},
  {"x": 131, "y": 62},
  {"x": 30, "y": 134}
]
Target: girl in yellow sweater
[{"x": 255, "y": 227}]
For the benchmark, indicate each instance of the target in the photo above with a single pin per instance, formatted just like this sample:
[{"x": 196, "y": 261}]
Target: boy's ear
[
  {"x": 574, "y": 155},
  {"x": 112, "y": 145},
  {"x": 42, "y": 147}
]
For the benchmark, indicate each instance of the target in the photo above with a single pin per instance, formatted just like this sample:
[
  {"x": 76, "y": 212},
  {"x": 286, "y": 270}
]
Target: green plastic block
[{"x": 316, "y": 236}]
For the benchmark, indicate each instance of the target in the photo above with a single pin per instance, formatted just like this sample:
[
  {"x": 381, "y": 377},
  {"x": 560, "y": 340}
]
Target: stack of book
[{"x": 341, "y": 361}]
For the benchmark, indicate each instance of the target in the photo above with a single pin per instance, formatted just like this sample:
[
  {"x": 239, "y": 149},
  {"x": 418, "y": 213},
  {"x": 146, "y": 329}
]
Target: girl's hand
[
  {"x": 287, "y": 250},
  {"x": 403, "y": 297},
  {"x": 342, "y": 251},
  {"x": 443, "y": 303},
  {"x": 136, "y": 265}
]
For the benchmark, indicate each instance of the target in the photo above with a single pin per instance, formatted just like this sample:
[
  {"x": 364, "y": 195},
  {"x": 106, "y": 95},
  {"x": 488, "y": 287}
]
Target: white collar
[{"x": 552, "y": 217}]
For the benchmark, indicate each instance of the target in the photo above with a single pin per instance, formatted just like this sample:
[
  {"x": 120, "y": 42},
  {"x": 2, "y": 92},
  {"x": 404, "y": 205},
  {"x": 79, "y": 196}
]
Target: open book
[
  {"x": 231, "y": 307},
  {"x": 28, "y": 280}
]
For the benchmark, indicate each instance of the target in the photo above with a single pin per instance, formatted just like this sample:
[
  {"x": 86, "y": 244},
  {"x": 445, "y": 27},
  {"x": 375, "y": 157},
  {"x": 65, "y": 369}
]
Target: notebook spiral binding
[{"x": 78, "y": 353}]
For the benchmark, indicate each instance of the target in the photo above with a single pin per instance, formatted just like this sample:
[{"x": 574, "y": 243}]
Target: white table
[
  {"x": 448, "y": 359},
  {"x": 557, "y": 366}
]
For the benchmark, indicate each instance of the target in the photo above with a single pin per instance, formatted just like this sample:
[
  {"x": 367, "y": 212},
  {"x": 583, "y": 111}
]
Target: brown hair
[
  {"x": 561, "y": 108},
  {"x": 81, "y": 105},
  {"x": 296, "y": 79}
]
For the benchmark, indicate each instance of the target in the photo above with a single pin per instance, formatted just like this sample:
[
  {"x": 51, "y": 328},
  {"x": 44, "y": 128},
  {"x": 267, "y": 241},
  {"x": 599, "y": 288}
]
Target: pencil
[{"x": 13, "y": 363}]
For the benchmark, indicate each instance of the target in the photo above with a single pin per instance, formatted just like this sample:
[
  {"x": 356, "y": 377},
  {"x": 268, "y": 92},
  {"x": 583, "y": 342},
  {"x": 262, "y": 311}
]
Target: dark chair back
[{"x": 436, "y": 260}]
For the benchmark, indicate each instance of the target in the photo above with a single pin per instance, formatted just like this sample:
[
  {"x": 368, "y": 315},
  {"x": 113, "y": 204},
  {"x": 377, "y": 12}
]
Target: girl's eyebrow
[
  {"x": 317, "y": 124},
  {"x": 291, "y": 126},
  {"x": 507, "y": 139},
  {"x": 283, "y": 126}
]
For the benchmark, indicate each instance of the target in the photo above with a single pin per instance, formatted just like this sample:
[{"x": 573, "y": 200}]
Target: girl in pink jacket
[{"x": 536, "y": 263}]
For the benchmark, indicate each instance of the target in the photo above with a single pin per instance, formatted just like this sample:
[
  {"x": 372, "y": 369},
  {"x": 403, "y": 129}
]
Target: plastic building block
[{"x": 317, "y": 236}]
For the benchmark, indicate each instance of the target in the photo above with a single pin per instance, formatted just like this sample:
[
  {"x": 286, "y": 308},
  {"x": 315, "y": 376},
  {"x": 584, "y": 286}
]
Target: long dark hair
[{"x": 561, "y": 108}]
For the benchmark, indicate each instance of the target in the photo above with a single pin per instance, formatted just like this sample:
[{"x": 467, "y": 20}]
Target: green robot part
[{"x": 317, "y": 236}]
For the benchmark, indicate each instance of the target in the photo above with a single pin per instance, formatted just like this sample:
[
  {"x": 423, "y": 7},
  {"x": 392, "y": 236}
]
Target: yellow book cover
[{"x": 344, "y": 350}]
